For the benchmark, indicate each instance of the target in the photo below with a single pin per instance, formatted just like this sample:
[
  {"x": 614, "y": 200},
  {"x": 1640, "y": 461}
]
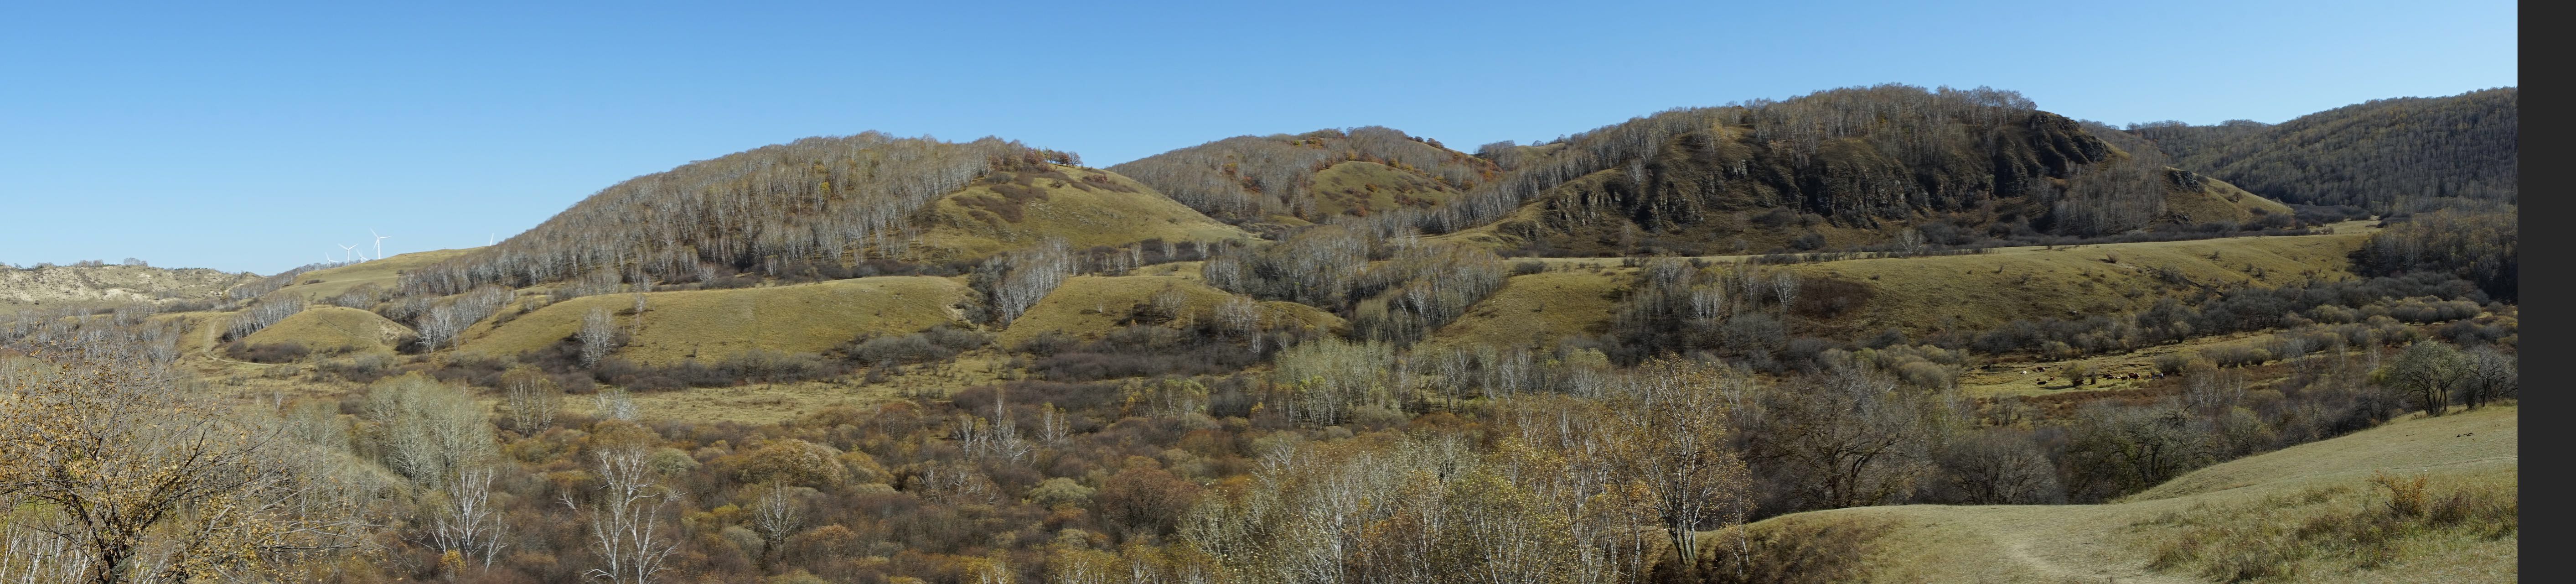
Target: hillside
[
  {"x": 2310, "y": 484},
  {"x": 109, "y": 285},
  {"x": 1087, "y": 306},
  {"x": 333, "y": 329},
  {"x": 2369, "y": 154},
  {"x": 776, "y": 210},
  {"x": 1287, "y": 180},
  {"x": 712, "y": 325},
  {"x": 320, "y": 285},
  {"x": 1842, "y": 168},
  {"x": 1009, "y": 210},
  {"x": 1577, "y": 297}
]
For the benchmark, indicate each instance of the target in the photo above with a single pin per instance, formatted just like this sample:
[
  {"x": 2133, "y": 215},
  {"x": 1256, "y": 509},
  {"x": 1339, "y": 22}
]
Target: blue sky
[{"x": 256, "y": 137}]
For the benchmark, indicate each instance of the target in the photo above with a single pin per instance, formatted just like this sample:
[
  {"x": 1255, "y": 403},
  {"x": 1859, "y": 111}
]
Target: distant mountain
[
  {"x": 2368, "y": 154},
  {"x": 109, "y": 285}
]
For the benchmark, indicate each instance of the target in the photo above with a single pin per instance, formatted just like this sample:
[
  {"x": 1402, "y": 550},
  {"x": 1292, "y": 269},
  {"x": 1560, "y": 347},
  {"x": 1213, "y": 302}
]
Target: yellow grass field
[
  {"x": 2116, "y": 542},
  {"x": 1536, "y": 310},
  {"x": 334, "y": 329},
  {"x": 963, "y": 228},
  {"x": 319, "y": 284},
  {"x": 716, "y": 324},
  {"x": 1984, "y": 290}
]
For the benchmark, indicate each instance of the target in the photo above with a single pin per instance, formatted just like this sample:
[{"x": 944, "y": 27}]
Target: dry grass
[
  {"x": 1537, "y": 310},
  {"x": 1973, "y": 292},
  {"x": 2218, "y": 201},
  {"x": 1360, "y": 188},
  {"x": 716, "y": 324},
  {"x": 2007, "y": 379},
  {"x": 2396, "y": 528},
  {"x": 1118, "y": 212},
  {"x": 1088, "y": 306},
  {"x": 1990, "y": 289},
  {"x": 2473, "y": 451},
  {"x": 334, "y": 329},
  {"x": 385, "y": 273}
]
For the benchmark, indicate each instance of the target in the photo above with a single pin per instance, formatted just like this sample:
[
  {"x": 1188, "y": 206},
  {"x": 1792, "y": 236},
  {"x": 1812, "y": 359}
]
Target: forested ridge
[
  {"x": 2372, "y": 154},
  {"x": 1249, "y": 178}
]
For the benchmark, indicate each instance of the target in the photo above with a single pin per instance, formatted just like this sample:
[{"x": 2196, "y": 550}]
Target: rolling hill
[
  {"x": 2253, "y": 505},
  {"x": 821, "y": 203},
  {"x": 1839, "y": 168},
  {"x": 111, "y": 285},
  {"x": 1009, "y": 210},
  {"x": 713, "y": 325},
  {"x": 1284, "y": 181}
]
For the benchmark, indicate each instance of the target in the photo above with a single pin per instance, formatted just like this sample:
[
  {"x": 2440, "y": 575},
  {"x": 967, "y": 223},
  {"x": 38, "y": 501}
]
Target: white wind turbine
[
  {"x": 347, "y": 253},
  {"x": 380, "y": 243}
]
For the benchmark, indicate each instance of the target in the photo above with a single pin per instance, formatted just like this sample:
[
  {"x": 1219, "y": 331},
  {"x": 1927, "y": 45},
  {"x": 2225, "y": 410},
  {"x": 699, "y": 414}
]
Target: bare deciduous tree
[
  {"x": 133, "y": 480},
  {"x": 627, "y": 527},
  {"x": 598, "y": 336},
  {"x": 775, "y": 515}
]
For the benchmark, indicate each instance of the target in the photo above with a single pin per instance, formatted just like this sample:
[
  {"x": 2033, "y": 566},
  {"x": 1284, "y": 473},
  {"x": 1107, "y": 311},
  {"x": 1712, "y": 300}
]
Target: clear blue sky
[{"x": 245, "y": 137}]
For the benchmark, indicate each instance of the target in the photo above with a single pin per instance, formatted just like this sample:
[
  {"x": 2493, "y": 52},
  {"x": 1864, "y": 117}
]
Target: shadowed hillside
[
  {"x": 1841, "y": 168},
  {"x": 2369, "y": 154}
]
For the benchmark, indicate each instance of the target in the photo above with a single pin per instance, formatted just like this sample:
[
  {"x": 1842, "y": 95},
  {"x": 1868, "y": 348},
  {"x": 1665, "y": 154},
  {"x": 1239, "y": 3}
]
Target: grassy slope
[
  {"x": 2218, "y": 201},
  {"x": 1538, "y": 309},
  {"x": 1359, "y": 187},
  {"x": 1083, "y": 216},
  {"x": 715, "y": 324},
  {"x": 1918, "y": 294},
  {"x": 1993, "y": 288},
  {"x": 320, "y": 284},
  {"x": 327, "y": 328},
  {"x": 1087, "y": 306},
  {"x": 2094, "y": 543}
]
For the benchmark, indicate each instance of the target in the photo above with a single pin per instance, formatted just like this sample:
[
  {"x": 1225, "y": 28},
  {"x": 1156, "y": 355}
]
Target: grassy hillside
[
  {"x": 1360, "y": 188},
  {"x": 1087, "y": 207},
  {"x": 1087, "y": 306},
  {"x": 716, "y": 324},
  {"x": 317, "y": 285},
  {"x": 1539, "y": 309},
  {"x": 1984, "y": 290},
  {"x": 334, "y": 329},
  {"x": 1919, "y": 294},
  {"x": 2252, "y": 507}
]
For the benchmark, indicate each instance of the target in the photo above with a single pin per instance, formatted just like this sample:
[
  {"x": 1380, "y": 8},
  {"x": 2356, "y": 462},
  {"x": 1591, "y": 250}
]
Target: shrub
[
  {"x": 267, "y": 352},
  {"x": 1527, "y": 267}
]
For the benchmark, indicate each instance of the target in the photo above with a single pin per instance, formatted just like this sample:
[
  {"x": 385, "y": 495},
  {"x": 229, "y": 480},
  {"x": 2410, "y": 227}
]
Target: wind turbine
[
  {"x": 380, "y": 243},
  {"x": 346, "y": 252}
]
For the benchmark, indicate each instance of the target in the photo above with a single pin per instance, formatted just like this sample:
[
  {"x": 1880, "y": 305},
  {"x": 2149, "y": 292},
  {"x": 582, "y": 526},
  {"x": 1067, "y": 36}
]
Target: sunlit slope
[
  {"x": 1085, "y": 207},
  {"x": 1919, "y": 294},
  {"x": 334, "y": 329},
  {"x": 716, "y": 324},
  {"x": 384, "y": 273},
  {"x": 2298, "y": 485}
]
